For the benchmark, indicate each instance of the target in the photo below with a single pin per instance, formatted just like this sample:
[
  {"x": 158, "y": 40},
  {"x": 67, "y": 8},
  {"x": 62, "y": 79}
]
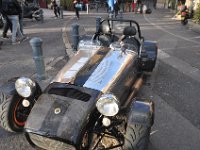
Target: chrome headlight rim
[
  {"x": 108, "y": 105},
  {"x": 25, "y": 87}
]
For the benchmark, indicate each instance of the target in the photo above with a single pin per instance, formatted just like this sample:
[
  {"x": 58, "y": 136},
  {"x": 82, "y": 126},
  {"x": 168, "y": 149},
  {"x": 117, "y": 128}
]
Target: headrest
[
  {"x": 129, "y": 31},
  {"x": 104, "y": 28}
]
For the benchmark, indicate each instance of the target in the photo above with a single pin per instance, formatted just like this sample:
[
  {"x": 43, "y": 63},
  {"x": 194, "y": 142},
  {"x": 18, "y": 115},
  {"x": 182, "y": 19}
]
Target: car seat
[
  {"x": 105, "y": 35},
  {"x": 129, "y": 37}
]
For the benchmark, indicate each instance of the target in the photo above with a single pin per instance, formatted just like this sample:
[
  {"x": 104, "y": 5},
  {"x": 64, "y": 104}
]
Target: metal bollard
[
  {"x": 98, "y": 21},
  {"x": 75, "y": 36},
  {"x": 36, "y": 44},
  {"x": 110, "y": 16},
  {"x": 97, "y": 7},
  {"x": 61, "y": 12},
  {"x": 41, "y": 16},
  {"x": 87, "y": 8}
]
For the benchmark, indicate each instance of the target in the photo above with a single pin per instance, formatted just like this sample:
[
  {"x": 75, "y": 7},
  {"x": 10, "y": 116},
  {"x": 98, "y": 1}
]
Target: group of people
[
  {"x": 124, "y": 5},
  {"x": 55, "y": 4},
  {"x": 137, "y": 6},
  {"x": 12, "y": 15}
]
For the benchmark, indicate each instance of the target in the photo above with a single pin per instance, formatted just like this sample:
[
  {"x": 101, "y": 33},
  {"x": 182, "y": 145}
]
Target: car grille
[
  {"x": 49, "y": 144},
  {"x": 71, "y": 93}
]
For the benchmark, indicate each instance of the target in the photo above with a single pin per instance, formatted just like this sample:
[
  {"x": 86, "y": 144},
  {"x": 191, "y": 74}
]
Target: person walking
[
  {"x": 128, "y": 5},
  {"x": 75, "y": 2},
  {"x": 12, "y": 9},
  {"x": 55, "y": 8},
  {"x": 6, "y": 23},
  {"x": 6, "y": 26}
]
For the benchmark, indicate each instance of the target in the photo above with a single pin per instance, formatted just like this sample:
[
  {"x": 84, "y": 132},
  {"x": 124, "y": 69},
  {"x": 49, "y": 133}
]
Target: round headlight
[
  {"x": 108, "y": 105},
  {"x": 24, "y": 86}
]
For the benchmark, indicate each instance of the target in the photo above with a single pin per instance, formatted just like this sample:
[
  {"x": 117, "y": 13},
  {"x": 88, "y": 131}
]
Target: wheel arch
[{"x": 142, "y": 112}]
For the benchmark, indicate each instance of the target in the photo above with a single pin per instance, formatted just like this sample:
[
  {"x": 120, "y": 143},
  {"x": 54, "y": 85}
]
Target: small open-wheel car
[{"x": 91, "y": 104}]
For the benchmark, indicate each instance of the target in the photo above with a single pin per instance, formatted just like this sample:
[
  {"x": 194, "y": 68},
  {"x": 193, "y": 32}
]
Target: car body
[{"x": 91, "y": 102}]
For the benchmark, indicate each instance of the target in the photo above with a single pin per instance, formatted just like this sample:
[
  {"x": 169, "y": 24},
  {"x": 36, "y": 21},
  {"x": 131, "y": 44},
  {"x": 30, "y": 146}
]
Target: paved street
[{"x": 173, "y": 86}]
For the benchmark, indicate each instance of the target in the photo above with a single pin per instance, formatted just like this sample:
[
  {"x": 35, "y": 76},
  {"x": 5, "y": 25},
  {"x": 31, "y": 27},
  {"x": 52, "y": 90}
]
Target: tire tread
[
  {"x": 5, "y": 102},
  {"x": 137, "y": 137}
]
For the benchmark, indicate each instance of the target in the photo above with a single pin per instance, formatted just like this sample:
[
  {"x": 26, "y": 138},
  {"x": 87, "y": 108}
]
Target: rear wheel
[
  {"x": 38, "y": 18},
  {"x": 13, "y": 114},
  {"x": 137, "y": 137},
  {"x": 37, "y": 15}
]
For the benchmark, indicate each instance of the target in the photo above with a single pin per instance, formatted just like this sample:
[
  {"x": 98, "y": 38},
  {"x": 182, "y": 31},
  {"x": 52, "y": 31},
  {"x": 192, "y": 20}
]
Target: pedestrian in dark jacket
[
  {"x": 13, "y": 10},
  {"x": 55, "y": 8},
  {"x": 75, "y": 2},
  {"x": 116, "y": 7},
  {"x": 7, "y": 24}
]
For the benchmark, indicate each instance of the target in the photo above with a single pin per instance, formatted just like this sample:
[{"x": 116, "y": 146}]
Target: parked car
[
  {"x": 31, "y": 10},
  {"x": 91, "y": 104}
]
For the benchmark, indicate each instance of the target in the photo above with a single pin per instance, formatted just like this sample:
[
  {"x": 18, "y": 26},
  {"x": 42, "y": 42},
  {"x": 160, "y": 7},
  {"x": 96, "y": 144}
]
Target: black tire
[
  {"x": 38, "y": 18},
  {"x": 137, "y": 137},
  {"x": 12, "y": 117}
]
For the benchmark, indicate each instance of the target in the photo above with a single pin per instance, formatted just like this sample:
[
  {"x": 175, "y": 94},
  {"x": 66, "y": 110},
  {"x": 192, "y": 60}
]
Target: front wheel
[
  {"x": 37, "y": 15},
  {"x": 184, "y": 22},
  {"x": 38, "y": 18},
  {"x": 13, "y": 114},
  {"x": 137, "y": 137}
]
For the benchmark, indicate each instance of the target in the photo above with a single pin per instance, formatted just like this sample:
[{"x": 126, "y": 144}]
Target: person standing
[
  {"x": 154, "y": 4},
  {"x": 138, "y": 6},
  {"x": 58, "y": 7},
  {"x": 122, "y": 4},
  {"x": 12, "y": 9},
  {"x": 75, "y": 2}
]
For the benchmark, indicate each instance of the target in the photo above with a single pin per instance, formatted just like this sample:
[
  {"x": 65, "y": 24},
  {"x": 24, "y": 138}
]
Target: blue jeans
[{"x": 15, "y": 27}]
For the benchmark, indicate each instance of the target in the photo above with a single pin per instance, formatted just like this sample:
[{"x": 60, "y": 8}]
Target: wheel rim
[{"x": 20, "y": 113}]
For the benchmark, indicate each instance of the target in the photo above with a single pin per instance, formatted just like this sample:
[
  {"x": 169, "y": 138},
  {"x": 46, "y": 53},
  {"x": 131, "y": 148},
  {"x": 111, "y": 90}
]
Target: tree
[{"x": 197, "y": 14}]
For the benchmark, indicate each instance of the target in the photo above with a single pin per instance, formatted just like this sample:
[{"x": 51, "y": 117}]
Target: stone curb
[
  {"x": 68, "y": 47},
  {"x": 50, "y": 66}
]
